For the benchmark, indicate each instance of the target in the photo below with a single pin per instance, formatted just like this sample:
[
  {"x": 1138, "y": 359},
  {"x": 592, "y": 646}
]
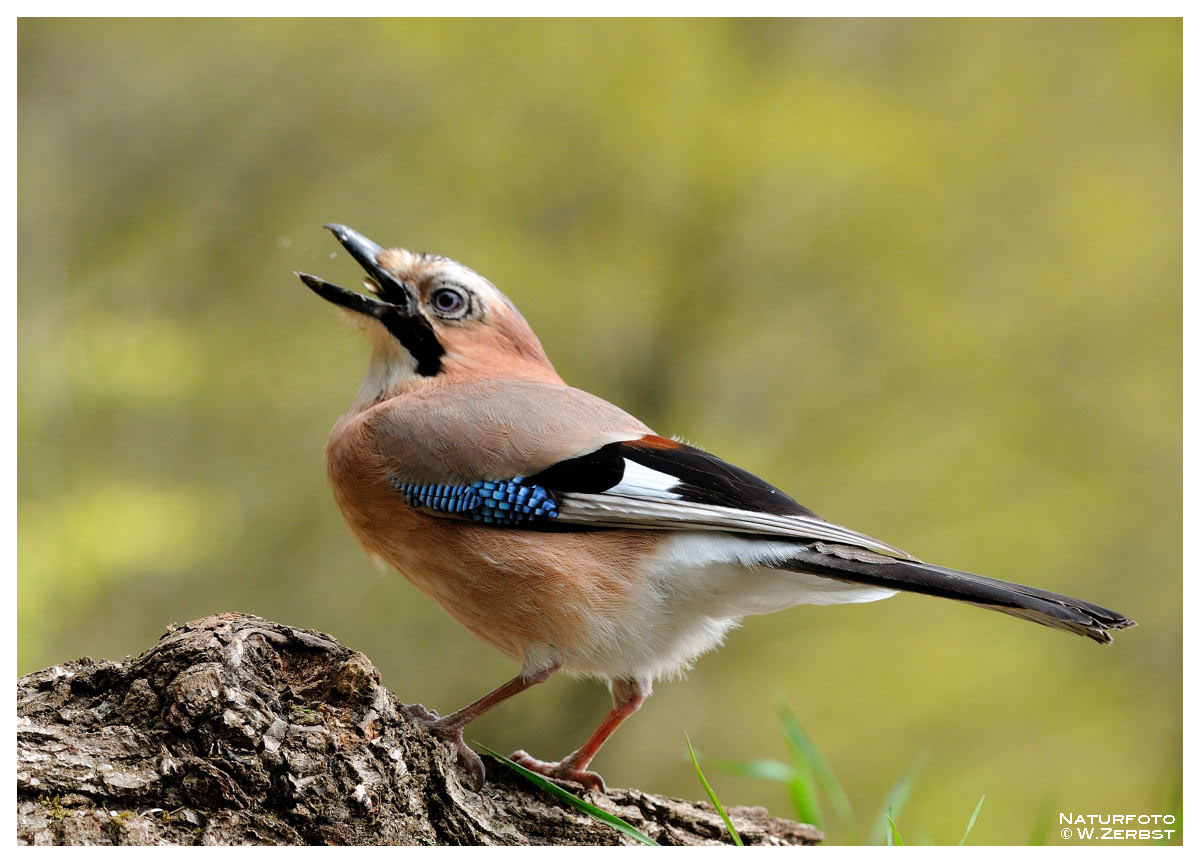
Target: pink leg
[
  {"x": 627, "y": 696},
  {"x": 451, "y": 727}
]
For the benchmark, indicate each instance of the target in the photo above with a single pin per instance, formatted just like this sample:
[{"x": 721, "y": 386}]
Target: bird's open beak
[{"x": 394, "y": 297}]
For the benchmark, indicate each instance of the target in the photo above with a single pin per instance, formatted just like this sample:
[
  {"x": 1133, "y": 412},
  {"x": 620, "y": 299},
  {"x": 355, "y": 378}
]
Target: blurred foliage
[{"x": 925, "y": 275}]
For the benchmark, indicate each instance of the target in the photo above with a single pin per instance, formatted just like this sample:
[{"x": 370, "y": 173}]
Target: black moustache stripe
[{"x": 418, "y": 338}]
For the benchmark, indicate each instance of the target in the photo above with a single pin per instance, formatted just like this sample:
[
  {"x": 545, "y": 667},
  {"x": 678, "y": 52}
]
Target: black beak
[
  {"x": 395, "y": 307},
  {"x": 395, "y": 297}
]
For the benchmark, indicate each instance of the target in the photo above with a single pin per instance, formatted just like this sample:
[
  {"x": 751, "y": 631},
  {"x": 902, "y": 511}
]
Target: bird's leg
[
  {"x": 451, "y": 727},
  {"x": 627, "y": 697}
]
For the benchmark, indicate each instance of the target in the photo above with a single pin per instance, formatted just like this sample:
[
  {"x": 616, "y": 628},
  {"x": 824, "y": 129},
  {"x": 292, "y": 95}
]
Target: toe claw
[
  {"x": 472, "y": 763},
  {"x": 452, "y": 734},
  {"x": 591, "y": 780}
]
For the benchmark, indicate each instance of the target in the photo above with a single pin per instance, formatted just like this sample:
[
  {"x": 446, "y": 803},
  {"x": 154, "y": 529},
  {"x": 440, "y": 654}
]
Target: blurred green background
[{"x": 924, "y": 275}]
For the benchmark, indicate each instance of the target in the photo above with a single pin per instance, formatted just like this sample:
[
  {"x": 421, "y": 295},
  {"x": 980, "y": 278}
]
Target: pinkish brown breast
[{"x": 512, "y": 588}]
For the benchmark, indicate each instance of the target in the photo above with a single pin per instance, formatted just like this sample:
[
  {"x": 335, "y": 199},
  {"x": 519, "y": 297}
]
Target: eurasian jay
[{"x": 563, "y": 531}]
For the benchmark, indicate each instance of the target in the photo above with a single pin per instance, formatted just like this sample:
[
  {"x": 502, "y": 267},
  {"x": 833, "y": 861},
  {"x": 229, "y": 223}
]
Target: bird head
[{"x": 431, "y": 320}]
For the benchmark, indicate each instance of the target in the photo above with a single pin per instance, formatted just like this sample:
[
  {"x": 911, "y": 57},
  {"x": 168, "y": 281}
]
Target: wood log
[{"x": 237, "y": 730}]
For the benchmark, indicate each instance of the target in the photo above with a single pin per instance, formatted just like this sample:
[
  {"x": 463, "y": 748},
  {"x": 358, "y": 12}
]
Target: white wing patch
[{"x": 641, "y": 481}]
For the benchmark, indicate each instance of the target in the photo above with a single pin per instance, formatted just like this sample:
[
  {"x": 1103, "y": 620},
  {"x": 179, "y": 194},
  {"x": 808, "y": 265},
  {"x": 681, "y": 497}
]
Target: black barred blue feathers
[{"x": 504, "y": 503}]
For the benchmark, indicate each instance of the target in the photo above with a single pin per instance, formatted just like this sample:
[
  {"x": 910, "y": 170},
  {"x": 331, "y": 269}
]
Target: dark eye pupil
[{"x": 448, "y": 301}]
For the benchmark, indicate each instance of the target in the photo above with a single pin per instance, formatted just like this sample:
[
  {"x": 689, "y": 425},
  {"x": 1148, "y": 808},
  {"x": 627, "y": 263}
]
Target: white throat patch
[{"x": 390, "y": 365}]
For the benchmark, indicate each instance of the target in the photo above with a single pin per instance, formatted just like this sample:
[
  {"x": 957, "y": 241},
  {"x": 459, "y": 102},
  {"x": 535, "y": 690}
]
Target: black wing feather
[
  {"x": 702, "y": 477},
  {"x": 592, "y": 473}
]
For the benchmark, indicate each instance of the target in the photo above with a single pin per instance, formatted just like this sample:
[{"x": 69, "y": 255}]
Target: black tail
[{"x": 1030, "y": 603}]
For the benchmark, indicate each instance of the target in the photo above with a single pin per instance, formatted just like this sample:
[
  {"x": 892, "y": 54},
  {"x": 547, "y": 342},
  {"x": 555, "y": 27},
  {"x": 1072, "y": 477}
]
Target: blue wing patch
[{"x": 507, "y": 502}]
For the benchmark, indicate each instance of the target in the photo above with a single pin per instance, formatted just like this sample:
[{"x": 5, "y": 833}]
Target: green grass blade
[
  {"x": 807, "y": 751},
  {"x": 566, "y": 796},
  {"x": 757, "y": 768},
  {"x": 1174, "y": 805},
  {"x": 971, "y": 823},
  {"x": 804, "y": 798},
  {"x": 712, "y": 795},
  {"x": 1039, "y": 833},
  {"x": 893, "y": 832},
  {"x": 895, "y": 799}
]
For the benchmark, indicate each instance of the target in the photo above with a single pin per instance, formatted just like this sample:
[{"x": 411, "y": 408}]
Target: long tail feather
[{"x": 1029, "y": 603}]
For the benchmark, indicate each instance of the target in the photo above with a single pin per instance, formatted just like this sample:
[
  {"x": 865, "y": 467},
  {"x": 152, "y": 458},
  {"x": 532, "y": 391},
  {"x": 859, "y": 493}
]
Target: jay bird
[{"x": 564, "y": 532}]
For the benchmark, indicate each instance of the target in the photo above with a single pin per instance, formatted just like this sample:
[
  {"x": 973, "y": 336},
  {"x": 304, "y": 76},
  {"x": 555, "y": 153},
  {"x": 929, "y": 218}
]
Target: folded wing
[
  {"x": 651, "y": 483},
  {"x": 655, "y": 483}
]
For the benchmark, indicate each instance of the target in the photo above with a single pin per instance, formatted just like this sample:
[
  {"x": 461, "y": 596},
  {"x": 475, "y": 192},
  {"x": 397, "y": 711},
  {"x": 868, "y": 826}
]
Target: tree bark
[{"x": 236, "y": 730}]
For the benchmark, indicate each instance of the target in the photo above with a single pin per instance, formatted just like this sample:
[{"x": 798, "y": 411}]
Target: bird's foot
[
  {"x": 438, "y": 727},
  {"x": 564, "y": 769}
]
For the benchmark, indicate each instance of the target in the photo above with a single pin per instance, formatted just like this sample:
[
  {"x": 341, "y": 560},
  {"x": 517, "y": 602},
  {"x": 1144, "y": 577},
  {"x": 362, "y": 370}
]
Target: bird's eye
[{"x": 448, "y": 301}]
